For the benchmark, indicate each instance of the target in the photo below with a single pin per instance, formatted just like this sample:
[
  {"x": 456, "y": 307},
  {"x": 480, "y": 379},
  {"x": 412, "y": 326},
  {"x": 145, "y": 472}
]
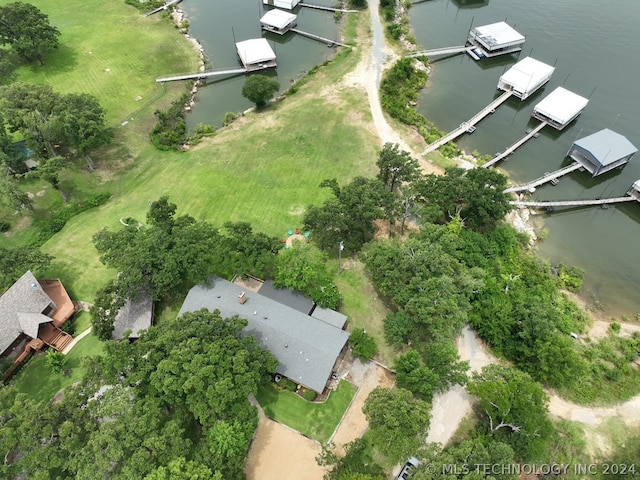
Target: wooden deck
[
  {"x": 65, "y": 308},
  {"x": 54, "y": 337}
]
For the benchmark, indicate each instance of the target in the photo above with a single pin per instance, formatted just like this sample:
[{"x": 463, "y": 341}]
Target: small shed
[
  {"x": 525, "y": 77},
  {"x": 559, "y": 108},
  {"x": 278, "y": 21},
  {"x": 134, "y": 317},
  {"x": 602, "y": 151},
  {"x": 495, "y": 39},
  {"x": 287, "y": 4},
  {"x": 256, "y": 54}
]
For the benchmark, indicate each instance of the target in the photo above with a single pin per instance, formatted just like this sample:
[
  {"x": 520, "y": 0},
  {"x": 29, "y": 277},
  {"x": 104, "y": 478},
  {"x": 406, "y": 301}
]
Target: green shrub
[
  {"x": 286, "y": 384},
  {"x": 4, "y": 226},
  {"x": 615, "y": 327},
  {"x": 56, "y": 360},
  {"x": 309, "y": 395},
  {"x": 362, "y": 344},
  {"x": 170, "y": 132}
]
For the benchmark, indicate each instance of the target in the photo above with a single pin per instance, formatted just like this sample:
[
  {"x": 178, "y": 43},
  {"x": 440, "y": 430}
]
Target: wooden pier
[
  {"x": 330, "y": 9},
  {"x": 313, "y": 36},
  {"x": 573, "y": 203},
  {"x": 500, "y": 156},
  {"x": 469, "y": 125},
  {"x": 210, "y": 73},
  {"x": 163, "y": 7},
  {"x": 547, "y": 177},
  {"x": 439, "y": 52}
]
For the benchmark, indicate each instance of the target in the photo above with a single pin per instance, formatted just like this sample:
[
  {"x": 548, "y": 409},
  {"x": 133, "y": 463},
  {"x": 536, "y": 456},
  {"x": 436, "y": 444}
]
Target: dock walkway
[
  {"x": 330, "y": 9},
  {"x": 318, "y": 37},
  {"x": 163, "y": 7},
  {"x": 572, "y": 203},
  {"x": 439, "y": 51},
  {"x": 466, "y": 126},
  {"x": 516, "y": 145},
  {"x": 547, "y": 177},
  {"x": 210, "y": 73}
]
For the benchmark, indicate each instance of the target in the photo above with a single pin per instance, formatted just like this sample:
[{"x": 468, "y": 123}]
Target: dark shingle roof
[
  {"x": 329, "y": 316},
  {"x": 21, "y": 310},
  {"x": 307, "y": 348},
  {"x": 134, "y": 316},
  {"x": 287, "y": 297}
]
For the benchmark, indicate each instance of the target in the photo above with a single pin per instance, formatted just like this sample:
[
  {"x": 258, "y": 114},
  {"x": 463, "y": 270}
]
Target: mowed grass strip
[
  {"x": 265, "y": 169},
  {"x": 38, "y": 382},
  {"x": 315, "y": 420},
  {"x": 108, "y": 49}
]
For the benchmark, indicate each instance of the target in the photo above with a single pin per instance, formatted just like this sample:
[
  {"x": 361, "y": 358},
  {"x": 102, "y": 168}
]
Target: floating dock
[
  {"x": 313, "y": 36},
  {"x": 546, "y": 178},
  {"x": 469, "y": 125},
  {"x": 534, "y": 132},
  {"x": 573, "y": 203}
]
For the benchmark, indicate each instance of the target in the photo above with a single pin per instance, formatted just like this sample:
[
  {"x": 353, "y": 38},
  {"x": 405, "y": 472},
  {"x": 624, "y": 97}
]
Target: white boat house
[
  {"x": 525, "y": 77},
  {"x": 495, "y": 39},
  {"x": 278, "y": 21},
  {"x": 602, "y": 151},
  {"x": 256, "y": 54},
  {"x": 559, "y": 108},
  {"x": 286, "y": 4}
]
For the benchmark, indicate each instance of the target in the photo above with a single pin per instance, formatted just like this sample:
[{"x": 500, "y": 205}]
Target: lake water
[
  {"x": 595, "y": 48},
  {"x": 216, "y": 23}
]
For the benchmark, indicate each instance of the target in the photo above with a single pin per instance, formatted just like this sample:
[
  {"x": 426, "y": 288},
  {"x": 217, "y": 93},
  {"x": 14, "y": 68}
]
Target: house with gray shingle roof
[
  {"x": 306, "y": 347},
  {"x": 134, "y": 317},
  {"x": 33, "y": 310}
]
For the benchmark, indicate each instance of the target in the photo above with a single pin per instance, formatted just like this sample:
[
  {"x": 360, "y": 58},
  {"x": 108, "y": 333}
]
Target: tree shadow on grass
[{"x": 61, "y": 60}]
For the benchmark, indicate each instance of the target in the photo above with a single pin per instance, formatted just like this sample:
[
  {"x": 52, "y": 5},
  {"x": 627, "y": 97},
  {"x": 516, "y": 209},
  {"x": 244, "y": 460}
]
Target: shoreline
[{"x": 179, "y": 17}]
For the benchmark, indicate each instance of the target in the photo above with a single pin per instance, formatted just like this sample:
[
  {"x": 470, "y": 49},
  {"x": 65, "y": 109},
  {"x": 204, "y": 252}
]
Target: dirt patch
[
  {"x": 366, "y": 376},
  {"x": 279, "y": 453}
]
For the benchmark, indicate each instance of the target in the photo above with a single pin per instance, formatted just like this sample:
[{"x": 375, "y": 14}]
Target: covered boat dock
[
  {"x": 525, "y": 77},
  {"x": 602, "y": 151},
  {"x": 278, "y": 21},
  {"x": 256, "y": 54},
  {"x": 495, "y": 39},
  {"x": 559, "y": 108}
]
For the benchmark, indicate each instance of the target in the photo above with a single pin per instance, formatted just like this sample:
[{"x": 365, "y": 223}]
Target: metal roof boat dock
[
  {"x": 559, "y": 108},
  {"x": 278, "y": 21},
  {"x": 256, "y": 54},
  {"x": 495, "y": 39},
  {"x": 525, "y": 77},
  {"x": 602, "y": 151}
]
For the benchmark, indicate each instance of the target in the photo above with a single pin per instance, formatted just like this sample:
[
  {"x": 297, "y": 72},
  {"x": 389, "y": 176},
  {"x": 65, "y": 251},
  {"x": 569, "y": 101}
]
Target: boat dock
[
  {"x": 163, "y": 7},
  {"x": 573, "y": 203},
  {"x": 546, "y": 178},
  {"x": 439, "y": 52},
  {"x": 469, "y": 125},
  {"x": 207, "y": 74},
  {"x": 313, "y": 36},
  {"x": 330, "y": 9},
  {"x": 500, "y": 156}
]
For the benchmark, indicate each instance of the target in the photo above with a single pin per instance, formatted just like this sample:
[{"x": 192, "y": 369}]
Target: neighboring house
[
  {"x": 133, "y": 317},
  {"x": 31, "y": 314},
  {"x": 307, "y": 346}
]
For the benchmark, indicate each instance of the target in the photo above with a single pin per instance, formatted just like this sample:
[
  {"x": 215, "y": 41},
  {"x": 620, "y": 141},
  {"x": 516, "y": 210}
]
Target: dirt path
[
  {"x": 278, "y": 453},
  {"x": 366, "y": 376}
]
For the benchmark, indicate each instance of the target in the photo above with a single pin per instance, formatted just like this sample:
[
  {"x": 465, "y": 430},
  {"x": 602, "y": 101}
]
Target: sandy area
[
  {"x": 366, "y": 377},
  {"x": 279, "y": 453}
]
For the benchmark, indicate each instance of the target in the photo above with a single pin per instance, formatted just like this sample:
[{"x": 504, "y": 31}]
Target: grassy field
[
  {"x": 37, "y": 381},
  {"x": 315, "y": 420},
  {"x": 109, "y": 50}
]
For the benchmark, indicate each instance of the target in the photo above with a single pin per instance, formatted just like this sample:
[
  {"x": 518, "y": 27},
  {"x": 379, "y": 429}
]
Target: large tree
[
  {"x": 514, "y": 409},
  {"x": 260, "y": 89},
  {"x": 27, "y": 31},
  {"x": 14, "y": 262},
  {"x": 396, "y": 166}
]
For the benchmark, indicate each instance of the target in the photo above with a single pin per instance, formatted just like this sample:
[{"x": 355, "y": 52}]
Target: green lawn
[
  {"x": 364, "y": 307},
  {"x": 109, "y": 50},
  {"x": 315, "y": 420},
  {"x": 37, "y": 381}
]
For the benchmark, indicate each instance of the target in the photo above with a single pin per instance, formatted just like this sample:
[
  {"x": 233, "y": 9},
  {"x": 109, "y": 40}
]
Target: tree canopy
[
  {"x": 27, "y": 31},
  {"x": 396, "y": 166},
  {"x": 259, "y": 89},
  {"x": 14, "y": 262}
]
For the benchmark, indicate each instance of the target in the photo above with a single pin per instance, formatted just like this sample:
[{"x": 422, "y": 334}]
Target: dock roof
[
  {"x": 561, "y": 105},
  {"x": 527, "y": 74},
  {"x": 306, "y": 347},
  {"x": 255, "y": 50},
  {"x": 499, "y": 34},
  {"x": 606, "y": 146},
  {"x": 278, "y": 18}
]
